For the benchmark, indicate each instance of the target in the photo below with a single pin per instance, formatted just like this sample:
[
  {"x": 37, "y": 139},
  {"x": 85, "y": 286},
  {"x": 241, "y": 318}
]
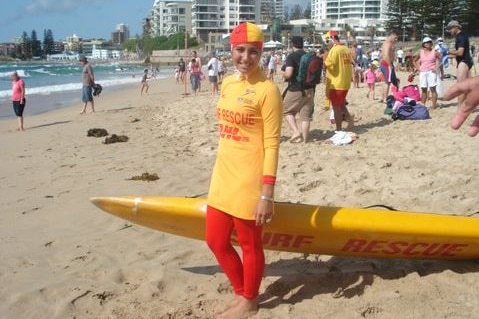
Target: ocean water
[{"x": 58, "y": 84}]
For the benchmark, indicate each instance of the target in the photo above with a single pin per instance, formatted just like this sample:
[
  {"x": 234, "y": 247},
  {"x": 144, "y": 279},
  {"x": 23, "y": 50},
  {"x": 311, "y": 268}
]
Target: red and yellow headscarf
[{"x": 247, "y": 33}]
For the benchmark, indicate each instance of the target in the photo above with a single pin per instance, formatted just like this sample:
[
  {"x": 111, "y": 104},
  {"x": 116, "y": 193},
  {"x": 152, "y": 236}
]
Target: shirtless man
[{"x": 387, "y": 63}]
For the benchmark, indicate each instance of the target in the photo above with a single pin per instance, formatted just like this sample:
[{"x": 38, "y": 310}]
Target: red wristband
[{"x": 269, "y": 179}]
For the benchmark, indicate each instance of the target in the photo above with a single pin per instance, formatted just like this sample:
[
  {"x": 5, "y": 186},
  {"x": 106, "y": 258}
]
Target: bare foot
[
  {"x": 296, "y": 139},
  {"x": 245, "y": 308},
  {"x": 232, "y": 303}
]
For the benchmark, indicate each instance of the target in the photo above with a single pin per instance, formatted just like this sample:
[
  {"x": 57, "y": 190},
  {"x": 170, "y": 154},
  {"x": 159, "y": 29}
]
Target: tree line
[
  {"x": 418, "y": 18},
  {"x": 30, "y": 46}
]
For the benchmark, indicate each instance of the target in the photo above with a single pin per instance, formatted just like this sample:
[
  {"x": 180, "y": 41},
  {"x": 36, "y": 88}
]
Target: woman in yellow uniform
[{"x": 249, "y": 113}]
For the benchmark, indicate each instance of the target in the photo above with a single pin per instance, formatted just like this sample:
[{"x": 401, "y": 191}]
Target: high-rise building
[
  {"x": 359, "y": 15},
  {"x": 271, "y": 9},
  {"x": 170, "y": 17},
  {"x": 222, "y": 16},
  {"x": 348, "y": 9},
  {"x": 200, "y": 17},
  {"x": 121, "y": 34}
]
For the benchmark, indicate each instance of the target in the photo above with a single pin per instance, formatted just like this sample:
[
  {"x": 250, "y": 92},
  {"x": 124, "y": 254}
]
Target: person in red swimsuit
[{"x": 240, "y": 199}]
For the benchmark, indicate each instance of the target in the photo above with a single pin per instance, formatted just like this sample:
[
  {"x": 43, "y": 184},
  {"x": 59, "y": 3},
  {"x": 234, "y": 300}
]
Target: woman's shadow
[{"x": 301, "y": 279}]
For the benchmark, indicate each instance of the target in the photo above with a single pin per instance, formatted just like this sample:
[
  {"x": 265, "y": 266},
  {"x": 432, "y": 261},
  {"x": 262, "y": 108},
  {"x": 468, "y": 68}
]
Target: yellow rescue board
[{"x": 318, "y": 229}]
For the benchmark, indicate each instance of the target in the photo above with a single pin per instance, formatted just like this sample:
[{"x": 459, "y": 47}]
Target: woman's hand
[{"x": 264, "y": 211}]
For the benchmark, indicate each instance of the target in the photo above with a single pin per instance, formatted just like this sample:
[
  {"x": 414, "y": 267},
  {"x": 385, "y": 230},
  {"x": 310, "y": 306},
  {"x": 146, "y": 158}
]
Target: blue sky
[{"x": 85, "y": 18}]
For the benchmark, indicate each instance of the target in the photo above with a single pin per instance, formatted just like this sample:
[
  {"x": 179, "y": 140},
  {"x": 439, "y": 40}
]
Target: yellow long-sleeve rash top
[
  {"x": 339, "y": 70},
  {"x": 249, "y": 113}
]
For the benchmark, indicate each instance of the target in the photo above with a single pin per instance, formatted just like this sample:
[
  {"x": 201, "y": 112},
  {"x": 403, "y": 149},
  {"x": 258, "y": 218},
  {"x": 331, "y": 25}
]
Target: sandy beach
[{"x": 64, "y": 258}]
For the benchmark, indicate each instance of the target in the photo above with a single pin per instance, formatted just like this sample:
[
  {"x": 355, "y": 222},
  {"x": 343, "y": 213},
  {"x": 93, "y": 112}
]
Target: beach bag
[
  {"x": 388, "y": 110},
  {"x": 310, "y": 70},
  {"x": 411, "y": 112}
]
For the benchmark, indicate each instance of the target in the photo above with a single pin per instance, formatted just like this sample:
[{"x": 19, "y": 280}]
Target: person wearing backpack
[
  {"x": 298, "y": 97},
  {"x": 339, "y": 73}
]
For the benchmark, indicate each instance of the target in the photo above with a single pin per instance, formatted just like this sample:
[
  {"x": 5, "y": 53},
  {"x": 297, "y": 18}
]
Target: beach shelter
[{"x": 272, "y": 45}]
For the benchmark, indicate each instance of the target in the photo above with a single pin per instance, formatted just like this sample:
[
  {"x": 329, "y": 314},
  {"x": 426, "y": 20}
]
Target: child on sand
[
  {"x": 370, "y": 75},
  {"x": 177, "y": 74},
  {"x": 144, "y": 82}
]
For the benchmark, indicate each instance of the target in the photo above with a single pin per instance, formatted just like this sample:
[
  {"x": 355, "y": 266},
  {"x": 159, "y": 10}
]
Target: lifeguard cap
[{"x": 247, "y": 33}]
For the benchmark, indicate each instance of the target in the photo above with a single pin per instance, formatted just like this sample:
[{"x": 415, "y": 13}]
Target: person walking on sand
[
  {"x": 297, "y": 99},
  {"x": 240, "y": 197},
  {"x": 182, "y": 70},
  {"x": 195, "y": 75},
  {"x": 18, "y": 98},
  {"x": 387, "y": 64},
  {"x": 144, "y": 82},
  {"x": 339, "y": 73},
  {"x": 198, "y": 62},
  {"x": 212, "y": 67},
  {"x": 88, "y": 80},
  {"x": 426, "y": 62},
  {"x": 370, "y": 76}
]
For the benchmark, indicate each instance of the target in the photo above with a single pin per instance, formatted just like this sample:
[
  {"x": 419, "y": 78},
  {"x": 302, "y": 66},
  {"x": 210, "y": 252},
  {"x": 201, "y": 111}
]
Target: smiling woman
[{"x": 242, "y": 185}]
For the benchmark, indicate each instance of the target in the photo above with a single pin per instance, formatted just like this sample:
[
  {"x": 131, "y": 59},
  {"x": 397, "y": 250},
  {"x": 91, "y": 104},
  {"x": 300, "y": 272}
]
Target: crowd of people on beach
[
  {"x": 215, "y": 71},
  {"x": 250, "y": 111}
]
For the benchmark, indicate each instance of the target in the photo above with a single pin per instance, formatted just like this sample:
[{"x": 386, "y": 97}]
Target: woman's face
[
  {"x": 427, "y": 45},
  {"x": 246, "y": 58}
]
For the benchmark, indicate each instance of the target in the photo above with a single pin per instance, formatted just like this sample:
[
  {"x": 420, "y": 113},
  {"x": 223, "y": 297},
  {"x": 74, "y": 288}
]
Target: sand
[{"x": 64, "y": 258}]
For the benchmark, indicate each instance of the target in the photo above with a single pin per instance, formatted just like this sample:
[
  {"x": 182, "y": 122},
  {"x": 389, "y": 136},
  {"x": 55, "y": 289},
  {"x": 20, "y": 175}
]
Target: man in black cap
[
  {"x": 461, "y": 52},
  {"x": 88, "y": 80},
  {"x": 297, "y": 98}
]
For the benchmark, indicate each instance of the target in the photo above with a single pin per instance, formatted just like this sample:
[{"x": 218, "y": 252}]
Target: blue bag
[{"x": 411, "y": 112}]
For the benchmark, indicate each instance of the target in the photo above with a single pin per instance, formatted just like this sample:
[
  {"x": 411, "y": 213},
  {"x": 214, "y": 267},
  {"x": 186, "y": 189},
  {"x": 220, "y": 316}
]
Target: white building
[
  {"x": 360, "y": 15},
  {"x": 170, "y": 17},
  {"x": 348, "y": 9},
  {"x": 201, "y": 17},
  {"x": 271, "y": 9},
  {"x": 221, "y": 16}
]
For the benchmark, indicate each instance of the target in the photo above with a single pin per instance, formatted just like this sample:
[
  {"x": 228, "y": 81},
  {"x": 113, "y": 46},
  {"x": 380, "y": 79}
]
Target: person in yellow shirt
[
  {"x": 240, "y": 199},
  {"x": 339, "y": 74}
]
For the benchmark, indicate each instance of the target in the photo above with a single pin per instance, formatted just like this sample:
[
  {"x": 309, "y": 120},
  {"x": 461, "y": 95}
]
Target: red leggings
[{"x": 245, "y": 276}]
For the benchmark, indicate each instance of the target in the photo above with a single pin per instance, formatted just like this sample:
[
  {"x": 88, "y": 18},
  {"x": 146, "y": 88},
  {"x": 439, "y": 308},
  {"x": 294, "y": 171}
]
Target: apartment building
[
  {"x": 271, "y": 9},
  {"x": 121, "y": 34},
  {"x": 360, "y": 15},
  {"x": 221, "y": 16},
  {"x": 200, "y": 17},
  {"x": 169, "y": 17},
  {"x": 348, "y": 9}
]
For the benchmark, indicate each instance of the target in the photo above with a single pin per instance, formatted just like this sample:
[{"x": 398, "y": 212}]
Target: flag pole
[{"x": 184, "y": 58}]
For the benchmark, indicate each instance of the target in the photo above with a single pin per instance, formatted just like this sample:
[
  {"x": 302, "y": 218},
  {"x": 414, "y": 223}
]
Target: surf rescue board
[{"x": 313, "y": 229}]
